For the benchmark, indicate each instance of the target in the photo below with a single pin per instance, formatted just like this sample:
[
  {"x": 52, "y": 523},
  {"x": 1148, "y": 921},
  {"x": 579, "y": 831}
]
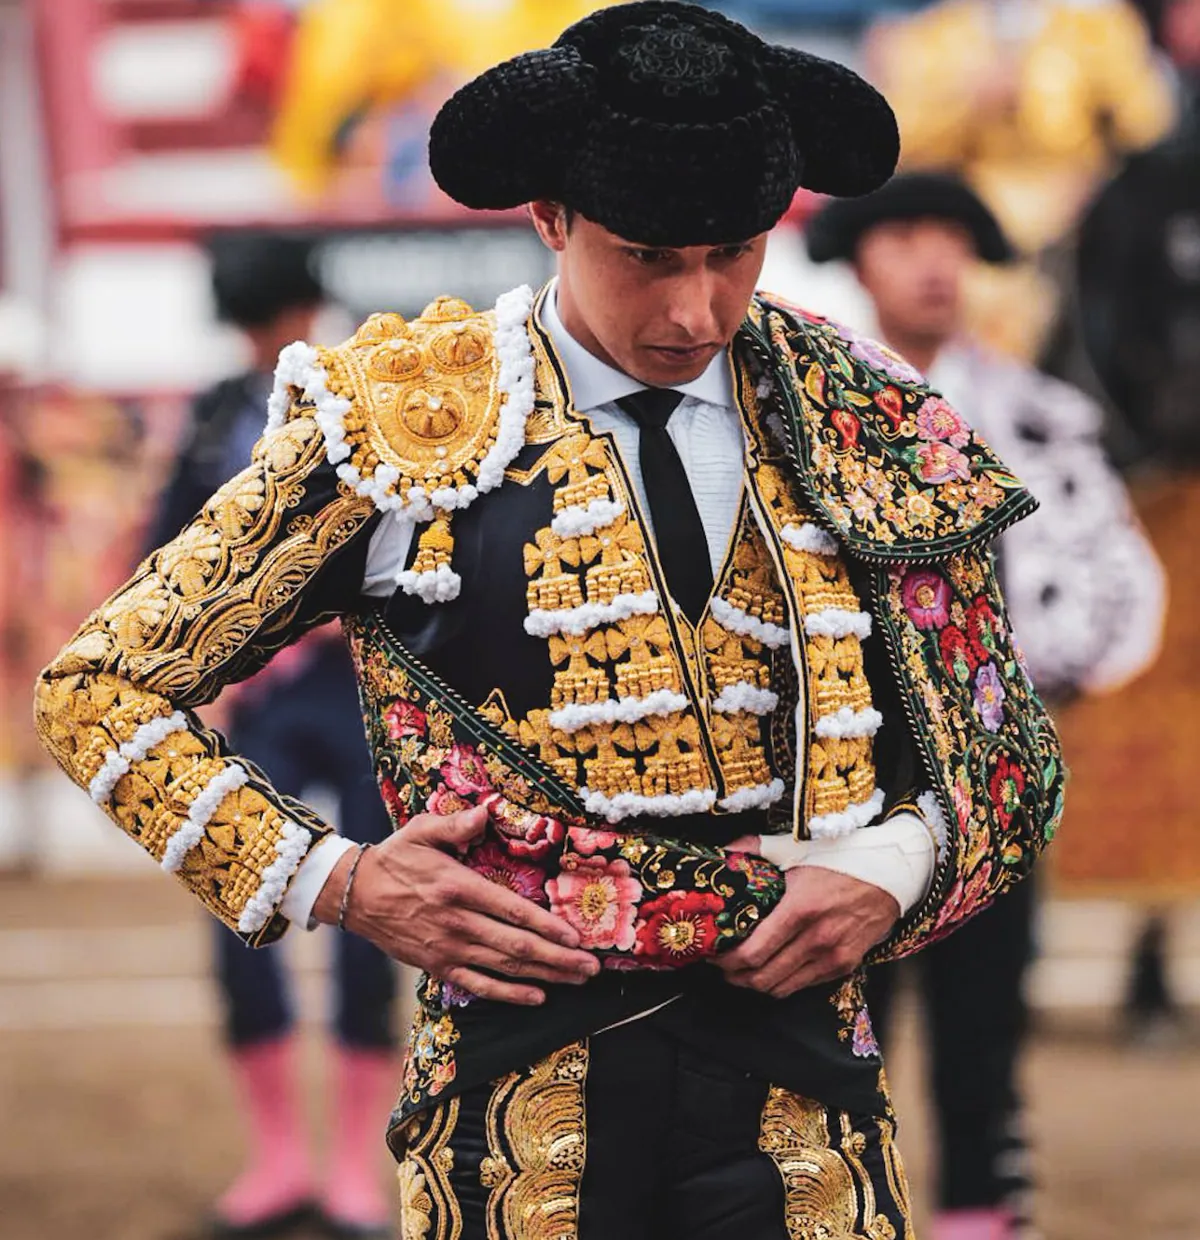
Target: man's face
[
  {"x": 913, "y": 270},
  {"x": 1181, "y": 33},
  {"x": 659, "y": 315}
]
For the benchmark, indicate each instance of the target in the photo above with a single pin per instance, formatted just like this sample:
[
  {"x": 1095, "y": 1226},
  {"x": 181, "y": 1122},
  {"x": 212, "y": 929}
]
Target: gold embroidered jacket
[{"x": 868, "y": 509}]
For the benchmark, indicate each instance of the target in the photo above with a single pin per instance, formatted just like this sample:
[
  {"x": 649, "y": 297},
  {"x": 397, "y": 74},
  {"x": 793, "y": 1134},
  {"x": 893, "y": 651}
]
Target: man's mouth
[{"x": 684, "y": 353}]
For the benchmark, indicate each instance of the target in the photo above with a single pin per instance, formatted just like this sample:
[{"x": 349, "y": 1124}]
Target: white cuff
[
  {"x": 315, "y": 869},
  {"x": 898, "y": 855}
]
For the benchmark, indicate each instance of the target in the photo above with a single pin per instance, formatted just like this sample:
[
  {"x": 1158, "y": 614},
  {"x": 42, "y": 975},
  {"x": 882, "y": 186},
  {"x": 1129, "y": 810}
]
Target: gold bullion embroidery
[
  {"x": 424, "y": 395},
  {"x": 205, "y": 610},
  {"x": 730, "y": 659},
  {"x": 820, "y": 1200},
  {"x": 897, "y": 1177},
  {"x": 429, "y": 1208},
  {"x": 841, "y": 770},
  {"x": 537, "y": 1146},
  {"x": 877, "y": 1225}
]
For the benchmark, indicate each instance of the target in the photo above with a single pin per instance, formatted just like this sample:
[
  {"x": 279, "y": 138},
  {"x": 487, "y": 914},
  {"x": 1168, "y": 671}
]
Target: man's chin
[{"x": 664, "y": 368}]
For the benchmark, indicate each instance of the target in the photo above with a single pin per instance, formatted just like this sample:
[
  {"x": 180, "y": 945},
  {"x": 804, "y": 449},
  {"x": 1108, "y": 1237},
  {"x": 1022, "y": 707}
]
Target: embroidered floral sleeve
[
  {"x": 989, "y": 747},
  {"x": 263, "y": 561}
]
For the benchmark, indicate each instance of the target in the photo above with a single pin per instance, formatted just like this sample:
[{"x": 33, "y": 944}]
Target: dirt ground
[{"x": 111, "y": 1129}]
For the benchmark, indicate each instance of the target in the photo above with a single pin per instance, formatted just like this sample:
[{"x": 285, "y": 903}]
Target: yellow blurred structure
[
  {"x": 1029, "y": 99},
  {"x": 353, "y": 56}
]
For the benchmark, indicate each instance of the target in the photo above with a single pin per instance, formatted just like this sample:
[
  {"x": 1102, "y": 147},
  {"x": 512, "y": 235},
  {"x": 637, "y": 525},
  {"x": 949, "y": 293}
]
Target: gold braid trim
[{"x": 204, "y": 611}]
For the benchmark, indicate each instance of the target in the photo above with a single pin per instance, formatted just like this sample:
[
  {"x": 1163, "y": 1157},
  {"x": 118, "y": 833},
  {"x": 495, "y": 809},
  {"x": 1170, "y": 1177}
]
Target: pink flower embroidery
[
  {"x": 587, "y": 841},
  {"x": 464, "y": 771},
  {"x": 939, "y": 462},
  {"x": 964, "y": 899},
  {"x": 521, "y": 878},
  {"x": 937, "y": 421},
  {"x": 962, "y": 801},
  {"x": 599, "y": 898},
  {"x": 445, "y": 801},
  {"x": 926, "y": 598},
  {"x": 404, "y": 719},
  {"x": 525, "y": 833}
]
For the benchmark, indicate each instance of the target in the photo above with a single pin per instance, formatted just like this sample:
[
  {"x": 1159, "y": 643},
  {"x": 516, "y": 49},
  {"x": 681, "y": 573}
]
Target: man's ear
[{"x": 550, "y": 220}]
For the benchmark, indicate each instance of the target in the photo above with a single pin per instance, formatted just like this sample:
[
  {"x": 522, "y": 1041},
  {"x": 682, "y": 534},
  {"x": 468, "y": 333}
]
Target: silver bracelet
[{"x": 341, "y": 919}]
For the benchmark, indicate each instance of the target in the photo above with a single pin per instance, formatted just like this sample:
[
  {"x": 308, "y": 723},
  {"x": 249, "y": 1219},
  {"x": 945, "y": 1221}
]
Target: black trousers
[
  {"x": 632, "y": 1136},
  {"x": 972, "y": 996},
  {"x": 305, "y": 732}
]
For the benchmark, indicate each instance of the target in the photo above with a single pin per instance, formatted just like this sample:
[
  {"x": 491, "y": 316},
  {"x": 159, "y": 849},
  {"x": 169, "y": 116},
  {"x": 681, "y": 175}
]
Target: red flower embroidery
[
  {"x": 397, "y": 805},
  {"x": 892, "y": 404},
  {"x": 982, "y": 623},
  {"x": 465, "y": 772},
  {"x": 957, "y": 654},
  {"x": 521, "y": 878},
  {"x": 1006, "y": 786},
  {"x": 678, "y": 928},
  {"x": 525, "y": 834},
  {"x": 404, "y": 719}
]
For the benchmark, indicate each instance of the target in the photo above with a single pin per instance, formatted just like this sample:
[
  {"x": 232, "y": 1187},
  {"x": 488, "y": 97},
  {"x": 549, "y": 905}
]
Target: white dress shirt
[{"x": 706, "y": 429}]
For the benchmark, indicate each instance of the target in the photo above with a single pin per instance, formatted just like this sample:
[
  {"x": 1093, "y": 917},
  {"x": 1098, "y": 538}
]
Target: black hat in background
[
  {"x": 258, "y": 275},
  {"x": 836, "y": 229},
  {"x": 665, "y": 123}
]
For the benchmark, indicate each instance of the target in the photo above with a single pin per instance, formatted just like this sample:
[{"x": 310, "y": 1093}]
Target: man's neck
[{"x": 918, "y": 350}]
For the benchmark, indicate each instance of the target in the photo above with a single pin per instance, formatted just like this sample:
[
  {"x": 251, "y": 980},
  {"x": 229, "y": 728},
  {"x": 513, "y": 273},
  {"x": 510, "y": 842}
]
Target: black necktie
[{"x": 678, "y": 530}]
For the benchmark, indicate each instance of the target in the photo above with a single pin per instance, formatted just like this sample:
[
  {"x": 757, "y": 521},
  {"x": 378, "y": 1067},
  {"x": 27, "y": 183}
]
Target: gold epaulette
[{"x": 422, "y": 416}]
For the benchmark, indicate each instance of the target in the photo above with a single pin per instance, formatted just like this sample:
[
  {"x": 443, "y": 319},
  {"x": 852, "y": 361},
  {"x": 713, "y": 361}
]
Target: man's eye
[
  {"x": 729, "y": 252},
  {"x": 647, "y": 258}
]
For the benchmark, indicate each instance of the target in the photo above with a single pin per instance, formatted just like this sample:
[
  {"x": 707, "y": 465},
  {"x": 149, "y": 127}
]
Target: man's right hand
[{"x": 418, "y": 903}]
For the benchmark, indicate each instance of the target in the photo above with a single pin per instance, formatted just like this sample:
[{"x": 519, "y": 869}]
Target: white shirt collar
[{"x": 595, "y": 383}]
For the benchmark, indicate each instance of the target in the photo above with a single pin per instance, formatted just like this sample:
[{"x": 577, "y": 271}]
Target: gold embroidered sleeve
[{"x": 272, "y": 554}]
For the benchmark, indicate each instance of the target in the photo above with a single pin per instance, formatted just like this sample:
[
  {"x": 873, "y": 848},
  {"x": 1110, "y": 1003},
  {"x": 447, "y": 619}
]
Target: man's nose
[{"x": 691, "y": 308}]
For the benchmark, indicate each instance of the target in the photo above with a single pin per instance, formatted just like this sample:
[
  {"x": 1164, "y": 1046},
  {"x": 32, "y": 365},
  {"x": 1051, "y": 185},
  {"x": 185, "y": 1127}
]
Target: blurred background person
[
  {"x": 1086, "y": 597},
  {"x": 1139, "y": 309},
  {"x": 298, "y": 720},
  {"x": 1139, "y": 269},
  {"x": 1032, "y": 102}
]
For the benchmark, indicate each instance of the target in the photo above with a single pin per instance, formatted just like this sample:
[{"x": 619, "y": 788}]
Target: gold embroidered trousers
[{"x": 633, "y": 1134}]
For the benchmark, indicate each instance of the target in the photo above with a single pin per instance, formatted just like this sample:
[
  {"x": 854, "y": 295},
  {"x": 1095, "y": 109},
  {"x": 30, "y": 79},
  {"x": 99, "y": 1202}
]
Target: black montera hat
[
  {"x": 257, "y": 275},
  {"x": 665, "y": 123},
  {"x": 835, "y": 231}
]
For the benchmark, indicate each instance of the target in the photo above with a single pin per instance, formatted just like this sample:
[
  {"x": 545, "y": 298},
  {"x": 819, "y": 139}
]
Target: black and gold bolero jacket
[{"x": 854, "y": 660}]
